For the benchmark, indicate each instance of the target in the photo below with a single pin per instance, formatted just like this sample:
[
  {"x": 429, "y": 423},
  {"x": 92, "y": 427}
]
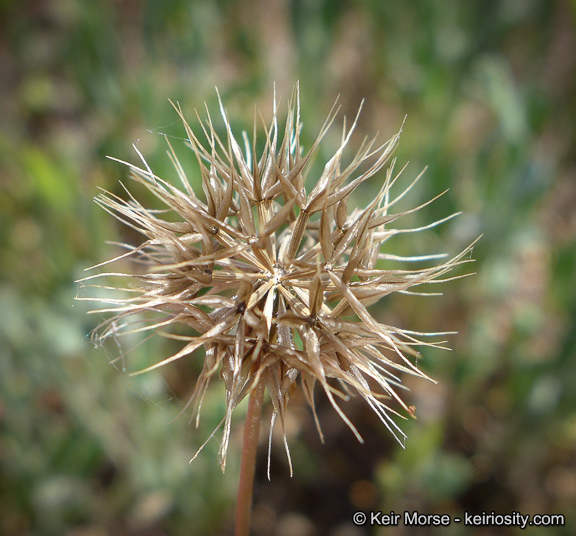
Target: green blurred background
[{"x": 488, "y": 87}]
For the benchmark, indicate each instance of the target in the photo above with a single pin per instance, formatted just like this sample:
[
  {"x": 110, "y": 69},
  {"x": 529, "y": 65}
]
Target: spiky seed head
[{"x": 271, "y": 278}]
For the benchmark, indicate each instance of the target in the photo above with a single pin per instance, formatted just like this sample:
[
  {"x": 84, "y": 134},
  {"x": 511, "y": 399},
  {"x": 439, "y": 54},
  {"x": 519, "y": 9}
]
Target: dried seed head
[{"x": 272, "y": 280}]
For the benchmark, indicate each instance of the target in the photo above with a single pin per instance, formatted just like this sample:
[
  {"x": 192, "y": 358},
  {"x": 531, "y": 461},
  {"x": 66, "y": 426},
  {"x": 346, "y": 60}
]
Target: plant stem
[{"x": 248, "y": 467}]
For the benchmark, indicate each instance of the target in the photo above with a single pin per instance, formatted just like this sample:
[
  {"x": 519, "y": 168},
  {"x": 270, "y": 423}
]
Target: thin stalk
[{"x": 248, "y": 467}]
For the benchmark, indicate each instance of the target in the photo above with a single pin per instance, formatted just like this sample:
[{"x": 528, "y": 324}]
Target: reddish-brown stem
[{"x": 247, "y": 469}]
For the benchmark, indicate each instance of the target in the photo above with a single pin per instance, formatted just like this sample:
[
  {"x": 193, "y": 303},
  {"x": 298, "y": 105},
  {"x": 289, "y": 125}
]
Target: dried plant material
[{"x": 271, "y": 278}]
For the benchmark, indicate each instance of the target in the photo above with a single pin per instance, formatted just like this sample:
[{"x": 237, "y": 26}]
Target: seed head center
[{"x": 277, "y": 273}]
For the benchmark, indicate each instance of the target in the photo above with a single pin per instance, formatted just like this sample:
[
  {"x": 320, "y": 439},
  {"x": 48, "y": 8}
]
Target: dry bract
[{"x": 272, "y": 280}]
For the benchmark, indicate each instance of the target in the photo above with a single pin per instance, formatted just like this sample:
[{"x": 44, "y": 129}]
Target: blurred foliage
[{"x": 488, "y": 90}]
